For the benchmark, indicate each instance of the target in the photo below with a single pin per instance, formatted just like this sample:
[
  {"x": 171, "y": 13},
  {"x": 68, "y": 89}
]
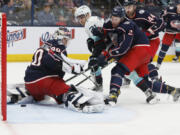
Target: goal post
[{"x": 3, "y": 67}]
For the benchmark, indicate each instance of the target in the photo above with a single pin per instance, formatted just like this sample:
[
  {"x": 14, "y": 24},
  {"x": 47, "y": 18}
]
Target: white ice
[{"x": 131, "y": 116}]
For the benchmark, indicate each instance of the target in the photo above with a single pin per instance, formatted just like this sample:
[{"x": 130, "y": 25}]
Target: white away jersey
[{"x": 93, "y": 21}]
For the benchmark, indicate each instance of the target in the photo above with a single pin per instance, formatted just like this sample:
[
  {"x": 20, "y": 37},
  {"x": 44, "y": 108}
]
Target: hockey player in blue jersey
[
  {"x": 44, "y": 76},
  {"x": 84, "y": 17},
  {"x": 171, "y": 16},
  {"x": 148, "y": 23},
  {"x": 132, "y": 52}
]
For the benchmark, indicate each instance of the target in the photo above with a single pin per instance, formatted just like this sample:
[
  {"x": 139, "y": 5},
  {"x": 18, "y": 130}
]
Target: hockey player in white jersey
[{"x": 83, "y": 16}]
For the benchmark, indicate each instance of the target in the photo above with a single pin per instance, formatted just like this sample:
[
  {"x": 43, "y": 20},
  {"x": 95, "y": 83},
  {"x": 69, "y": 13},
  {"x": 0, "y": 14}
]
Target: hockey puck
[{"x": 23, "y": 105}]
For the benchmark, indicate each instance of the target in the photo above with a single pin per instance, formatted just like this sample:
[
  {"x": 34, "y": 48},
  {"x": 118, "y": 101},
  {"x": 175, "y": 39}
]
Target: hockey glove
[
  {"x": 76, "y": 69},
  {"x": 96, "y": 47},
  {"x": 90, "y": 43},
  {"x": 97, "y": 31},
  {"x": 93, "y": 63}
]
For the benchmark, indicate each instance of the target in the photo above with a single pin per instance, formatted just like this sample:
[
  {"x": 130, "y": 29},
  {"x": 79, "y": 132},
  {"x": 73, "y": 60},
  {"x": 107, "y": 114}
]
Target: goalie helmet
[
  {"x": 82, "y": 10},
  {"x": 61, "y": 33}
]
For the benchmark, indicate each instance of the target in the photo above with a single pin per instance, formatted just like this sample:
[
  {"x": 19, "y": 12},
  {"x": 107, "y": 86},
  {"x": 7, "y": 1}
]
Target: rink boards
[{"x": 23, "y": 41}]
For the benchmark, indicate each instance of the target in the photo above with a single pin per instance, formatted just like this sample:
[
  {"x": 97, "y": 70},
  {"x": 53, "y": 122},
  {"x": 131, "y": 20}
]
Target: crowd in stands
[{"x": 59, "y": 12}]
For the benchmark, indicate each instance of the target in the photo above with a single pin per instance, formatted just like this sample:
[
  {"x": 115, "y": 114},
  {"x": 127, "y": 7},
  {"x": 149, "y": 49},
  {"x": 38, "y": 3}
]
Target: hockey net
[{"x": 3, "y": 49}]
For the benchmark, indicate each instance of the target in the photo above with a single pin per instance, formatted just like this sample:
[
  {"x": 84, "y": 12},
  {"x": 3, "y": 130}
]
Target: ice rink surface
[{"x": 131, "y": 116}]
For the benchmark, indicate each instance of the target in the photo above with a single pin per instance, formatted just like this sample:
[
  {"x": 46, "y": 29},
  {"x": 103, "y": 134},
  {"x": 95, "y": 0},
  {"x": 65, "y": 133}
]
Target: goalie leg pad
[
  {"x": 94, "y": 108},
  {"x": 83, "y": 102}
]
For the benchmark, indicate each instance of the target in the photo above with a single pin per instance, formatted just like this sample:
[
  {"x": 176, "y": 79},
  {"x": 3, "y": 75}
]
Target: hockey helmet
[
  {"x": 82, "y": 10},
  {"x": 118, "y": 11},
  {"x": 61, "y": 33},
  {"x": 129, "y": 2}
]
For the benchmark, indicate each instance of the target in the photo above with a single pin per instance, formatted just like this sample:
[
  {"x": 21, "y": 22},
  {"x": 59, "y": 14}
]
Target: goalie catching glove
[
  {"x": 72, "y": 65},
  {"x": 85, "y": 101},
  {"x": 74, "y": 69}
]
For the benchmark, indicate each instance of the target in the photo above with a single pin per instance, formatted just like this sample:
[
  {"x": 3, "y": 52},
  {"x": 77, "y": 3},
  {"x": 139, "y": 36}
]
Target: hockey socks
[
  {"x": 151, "y": 96},
  {"x": 162, "y": 53},
  {"x": 177, "y": 44},
  {"x": 153, "y": 74},
  {"x": 161, "y": 87}
]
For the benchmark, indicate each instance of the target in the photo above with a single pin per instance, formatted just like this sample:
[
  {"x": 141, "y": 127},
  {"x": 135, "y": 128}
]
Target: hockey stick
[
  {"x": 118, "y": 3},
  {"x": 20, "y": 92},
  {"x": 74, "y": 76},
  {"x": 83, "y": 80},
  {"x": 109, "y": 62}
]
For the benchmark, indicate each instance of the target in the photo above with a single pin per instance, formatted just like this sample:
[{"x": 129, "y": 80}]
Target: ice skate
[
  {"x": 112, "y": 98},
  {"x": 98, "y": 83},
  {"x": 158, "y": 66},
  {"x": 12, "y": 99},
  {"x": 98, "y": 87},
  {"x": 176, "y": 94},
  {"x": 126, "y": 83},
  {"x": 151, "y": 97},
  {"x": 175, "y": 59}
]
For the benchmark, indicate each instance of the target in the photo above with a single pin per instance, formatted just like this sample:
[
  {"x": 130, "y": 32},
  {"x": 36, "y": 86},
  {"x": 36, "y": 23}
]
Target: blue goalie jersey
[{"x": 44, "y": 64}]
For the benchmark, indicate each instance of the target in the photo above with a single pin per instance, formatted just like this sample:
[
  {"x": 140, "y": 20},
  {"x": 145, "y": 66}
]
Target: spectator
[
  {"x": 9, "y": 8},
  {"x": 78, "y": 3},
  {"x": 69, "y": 4},
  {"x": 24, "y": 15},
  {"x": 61, "y": 21},
  {"x": 1, "y": 3},
  {"x": 51, "y": 2},
  {"x": 59, "y": 9},
  {"x": 152, "y": 7},
  {"x": 164, "y": 2},
  {"x": 54, "y": 8},
  {"x": 46, "y": 17}
]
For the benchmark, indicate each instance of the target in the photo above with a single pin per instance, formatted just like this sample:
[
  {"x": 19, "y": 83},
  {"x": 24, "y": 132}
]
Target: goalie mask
[
  {"x": 63, "y": 35},
  {"x": 81, "y": 12}
]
